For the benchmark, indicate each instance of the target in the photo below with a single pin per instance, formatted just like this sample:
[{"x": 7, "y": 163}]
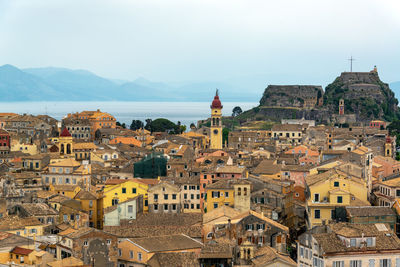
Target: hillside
[{"x": 364, "y": 94}]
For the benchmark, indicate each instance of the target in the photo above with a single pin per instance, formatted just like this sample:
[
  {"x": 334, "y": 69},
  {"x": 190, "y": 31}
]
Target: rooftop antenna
[
  {"x": 351, "y": 59},
  {"x": 216, "y": 92}
]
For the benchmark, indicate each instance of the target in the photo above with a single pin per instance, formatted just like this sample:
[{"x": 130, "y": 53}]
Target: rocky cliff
[
  {"x": 292, "y": 96},
  {"x": 364, "y": 94}
]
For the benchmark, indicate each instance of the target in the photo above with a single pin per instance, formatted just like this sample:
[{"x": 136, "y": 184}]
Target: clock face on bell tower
[{"x": 216, "y": 123}]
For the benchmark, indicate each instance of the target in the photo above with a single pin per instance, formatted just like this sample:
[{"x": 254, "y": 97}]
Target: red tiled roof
[
  {"x": 21, "y": 251},
  {"x": 65, "y": 133}
]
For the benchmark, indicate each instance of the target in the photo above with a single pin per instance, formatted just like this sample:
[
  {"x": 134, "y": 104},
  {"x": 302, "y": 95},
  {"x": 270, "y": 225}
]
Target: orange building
[{"x": 97, "y": 119}]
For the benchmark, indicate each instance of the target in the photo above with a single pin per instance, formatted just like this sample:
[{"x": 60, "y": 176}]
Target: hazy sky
[{"x": 279, "y": 41}]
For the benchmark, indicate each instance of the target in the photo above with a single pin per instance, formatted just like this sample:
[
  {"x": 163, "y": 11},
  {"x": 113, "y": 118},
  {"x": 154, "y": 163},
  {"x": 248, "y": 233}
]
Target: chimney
[{"x": 229, "y": 229}]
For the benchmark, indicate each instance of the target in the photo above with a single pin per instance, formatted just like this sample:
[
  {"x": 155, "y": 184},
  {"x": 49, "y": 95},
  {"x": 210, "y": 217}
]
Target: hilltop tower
[
  {"x": 341, "y": 107},
  {"x": 388, "y": 147},
  {"x": 65, "y": 143},
  {"x": 216, "y": 123}
]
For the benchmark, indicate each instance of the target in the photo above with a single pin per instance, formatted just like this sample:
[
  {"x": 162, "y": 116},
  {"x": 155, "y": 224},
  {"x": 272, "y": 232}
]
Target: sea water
[{"x": 125, "y": 112}]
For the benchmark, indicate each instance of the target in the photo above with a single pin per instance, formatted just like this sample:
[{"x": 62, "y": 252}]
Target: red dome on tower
[
  {"x": 65, "y": 133},
  {"x": 388, "y": 139},
  {"x": 216, "y": 102}
]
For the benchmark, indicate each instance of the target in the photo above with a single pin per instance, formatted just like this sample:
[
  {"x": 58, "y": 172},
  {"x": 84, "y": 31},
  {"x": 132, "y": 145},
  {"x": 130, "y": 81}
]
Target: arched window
[
  {"x": 217, "y": 121},
  {"x": 68, "y": 148},
  {"x": 213, "y": 121},
  {"x": 245, "y": 191},
  {"x": 62, "y": 149},
  {"x": 239, "y": 191}
]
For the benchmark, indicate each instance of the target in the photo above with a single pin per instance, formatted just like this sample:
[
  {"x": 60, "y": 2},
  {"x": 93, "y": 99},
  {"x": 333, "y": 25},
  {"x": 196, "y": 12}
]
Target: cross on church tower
[{"x": 351, "y": 59}]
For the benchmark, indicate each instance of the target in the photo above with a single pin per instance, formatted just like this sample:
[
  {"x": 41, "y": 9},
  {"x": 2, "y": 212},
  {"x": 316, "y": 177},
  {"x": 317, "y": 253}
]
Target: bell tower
[
  {"x": 216, "y": 123},
  {"x": 341, "y": 107},
  {"x": 65, "y": 144}
]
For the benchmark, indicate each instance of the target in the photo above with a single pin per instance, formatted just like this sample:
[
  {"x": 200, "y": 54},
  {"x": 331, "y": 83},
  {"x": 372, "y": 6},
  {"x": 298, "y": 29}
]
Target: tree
[
  {"x": 136, "y": 125},
  {"x": 163, "y": 125},
  {"x": 236, "y": 111},
  {"x": 148, "y": 125},
  {"x": 183, "y": 128},
  {"x": 192, "y": 126},
  {"x": 225, "y": 135}
]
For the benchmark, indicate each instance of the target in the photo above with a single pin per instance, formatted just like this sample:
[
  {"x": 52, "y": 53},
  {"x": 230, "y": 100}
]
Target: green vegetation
[{"x": 164, "y": 125}]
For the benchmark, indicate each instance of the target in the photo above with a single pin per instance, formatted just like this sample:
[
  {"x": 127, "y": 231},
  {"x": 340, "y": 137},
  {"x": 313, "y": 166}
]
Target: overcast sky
[{"x": 280, "y": 41}]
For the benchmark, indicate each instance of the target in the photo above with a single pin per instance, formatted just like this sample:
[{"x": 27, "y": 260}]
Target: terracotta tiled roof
[
  {"x": 21, "y": 251},
  {"x": 167, "y": 243},
  {"x": 187, "y": 259}
]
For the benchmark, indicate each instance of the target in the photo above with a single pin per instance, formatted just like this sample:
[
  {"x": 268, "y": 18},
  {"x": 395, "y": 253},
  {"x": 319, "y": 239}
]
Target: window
[
  {"x": 352, "y": 242},
  {"x": 301, "y": 252},
  {"x": 133, "y": 190},
  {"x": 185, "y": 196},
  {"x": 123, "y": 190},
  {"x": 215, "y": 205},
  {"x": 398, "y": 262},
  {"x": 198, "y": 206},
  {"x": 173, "y": 196},
  {"x": 385, "y": 263},
  {"x": 131, "y": 254},
  {"x": 245, "y": 191},
  {"x": 155, "y": 206},
  {"x": 226, "y": 194},
  {"x": 130, "y": 208},
  {"x": 155, "y": 196},
  {"x": 108, "y": 241},
  {"x": 166, "y": 207},
  {"x": 369, "y": 242},
  {"x": 317, "y": 214},
  {"x": 166, "y": 196},
  {"x": 185, "y": 187},
  {"x": 338, "y": 264},
  {"x": 173, "y": 206},
  {"x": 119, "y": 252},
  {"x": 371, "y": 263},
  {"x": 249, "y": 227},
  {"x": 191, "y": 196},
  {"x": 355, "y": 263},
  {"x": 215, "y": 194},
  {"x": 339, "y": 199},
  {"x": 139, "y": 256},
  {"x": 316, "y": 197},
  {"x": 90, "y": 203},
  {"x": 336, "y": 184},
  {"x": 85, "y": 243}
]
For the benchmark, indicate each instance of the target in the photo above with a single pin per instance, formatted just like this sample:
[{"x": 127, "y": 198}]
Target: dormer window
[{"x": 353, "y": 242}]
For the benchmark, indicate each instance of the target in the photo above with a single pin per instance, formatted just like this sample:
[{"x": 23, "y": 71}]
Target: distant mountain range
[{"x": 61, "y": 84}]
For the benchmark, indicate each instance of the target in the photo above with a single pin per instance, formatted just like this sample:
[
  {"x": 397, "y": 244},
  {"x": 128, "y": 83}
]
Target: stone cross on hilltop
[{"x": 351, "y": 59}]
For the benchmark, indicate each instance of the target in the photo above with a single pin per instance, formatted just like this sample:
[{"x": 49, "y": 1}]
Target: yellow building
[
  {"x": 216, "y": 123},
  {"x": 118, "y": 190},
  {"x": 93, "y": 204},
  {"x": 69, "y": 191},
  {"x": 140, "y": 250},
  {"x": 329, "y": 191},
  {"x": 233, "y": 193},
  {"x": 30, "y": 149},
  {"x": 26, "y": 227}
]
